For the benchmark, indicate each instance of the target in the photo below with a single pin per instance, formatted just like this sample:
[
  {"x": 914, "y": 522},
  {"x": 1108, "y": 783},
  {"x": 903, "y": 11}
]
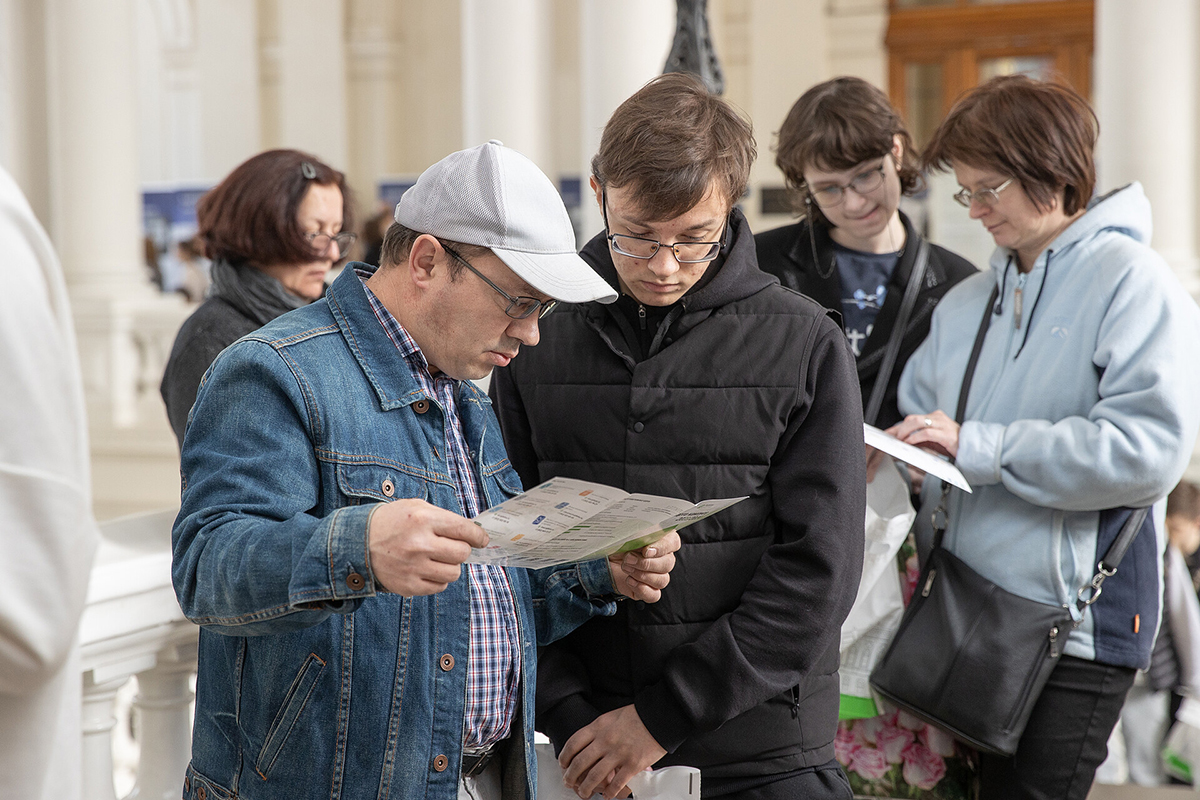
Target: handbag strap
[
  {"x": 884, "y": 376},
  {"x": 1107, "y": 567},
  {"x": 1112, "y": 557},
  {"x": 939, "y": 514}
]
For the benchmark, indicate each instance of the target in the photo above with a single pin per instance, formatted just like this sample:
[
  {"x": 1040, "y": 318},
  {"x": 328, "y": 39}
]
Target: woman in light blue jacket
[{"x": 1084, "y": 405}]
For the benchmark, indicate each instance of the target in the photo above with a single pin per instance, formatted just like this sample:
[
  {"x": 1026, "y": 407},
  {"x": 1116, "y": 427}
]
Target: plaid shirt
[{"x": 494, "y": 662}]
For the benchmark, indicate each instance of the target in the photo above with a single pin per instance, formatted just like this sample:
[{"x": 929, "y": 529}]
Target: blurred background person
[
  {"x": 1083, "y": 406},
  {"x": 372, "y": 237},
  {"x": 47, "y": 533},
  {"x": 848, "y": 158},
  {"x": 273, "y": 229},
  {"x": 196, "y": 280},
  {"x": 1135, "y": 747}
]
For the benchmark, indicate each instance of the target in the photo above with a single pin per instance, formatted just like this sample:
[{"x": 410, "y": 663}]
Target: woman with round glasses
[
  {"x": 1082, "y": 406},
  {"x": 847, "y": 156},
  {"x": 273, "y": 229}
]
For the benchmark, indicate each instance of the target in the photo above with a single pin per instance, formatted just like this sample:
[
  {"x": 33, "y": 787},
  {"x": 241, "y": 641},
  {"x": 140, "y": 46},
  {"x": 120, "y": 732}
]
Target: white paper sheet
[
  {"x": 565, "y": 520},
  {"x": 921, "y": 459}
]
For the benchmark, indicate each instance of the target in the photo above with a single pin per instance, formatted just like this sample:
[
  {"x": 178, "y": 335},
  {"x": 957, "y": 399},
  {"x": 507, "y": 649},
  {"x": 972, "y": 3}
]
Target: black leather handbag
[{"x": 970, "y": 657}]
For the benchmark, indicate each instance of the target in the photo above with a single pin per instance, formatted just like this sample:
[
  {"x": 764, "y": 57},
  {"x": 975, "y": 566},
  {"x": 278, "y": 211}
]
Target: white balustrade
[{"x": 133, "y": 626}]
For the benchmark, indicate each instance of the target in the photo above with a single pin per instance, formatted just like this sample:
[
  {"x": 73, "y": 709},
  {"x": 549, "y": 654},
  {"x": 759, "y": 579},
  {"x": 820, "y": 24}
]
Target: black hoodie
[{"x": 747, "y": 388}]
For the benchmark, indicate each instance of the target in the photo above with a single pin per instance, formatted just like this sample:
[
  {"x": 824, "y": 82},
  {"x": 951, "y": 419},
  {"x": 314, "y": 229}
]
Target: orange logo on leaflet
[
  {"x": 518, "y": 537},
  {"x": 585, "y": 493}
]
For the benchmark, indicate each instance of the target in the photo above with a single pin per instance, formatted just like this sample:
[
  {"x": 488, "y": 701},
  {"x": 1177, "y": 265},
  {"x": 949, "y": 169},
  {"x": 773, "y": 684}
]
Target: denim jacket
[{"x": 313, "y": 681}]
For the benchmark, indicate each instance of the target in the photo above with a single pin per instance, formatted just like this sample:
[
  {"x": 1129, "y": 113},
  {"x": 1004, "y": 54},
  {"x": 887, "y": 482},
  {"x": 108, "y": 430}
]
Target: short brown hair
[
  {"x": 251, "y": 215},
  {"x": 398, "y": 241},
  {"x": 670, "y": 141},
  {"x": 837, "y": 125},
  {"x": 1184, "y": 500},
  {"x": 1040, "y": 133}
]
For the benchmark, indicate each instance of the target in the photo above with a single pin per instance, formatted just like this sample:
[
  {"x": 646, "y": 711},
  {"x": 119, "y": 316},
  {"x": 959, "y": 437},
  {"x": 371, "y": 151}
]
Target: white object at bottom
[{"x": 668, "y": 783}]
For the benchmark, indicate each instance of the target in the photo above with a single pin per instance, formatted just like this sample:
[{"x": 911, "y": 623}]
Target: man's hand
[
  {"x": 417, "y": 548},
  {"x": 603, "y": 756},
  {"x": 642, "y": 574}
]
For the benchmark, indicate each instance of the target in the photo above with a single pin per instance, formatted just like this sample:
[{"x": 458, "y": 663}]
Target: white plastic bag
[
  {"x": 668, "y": 783},
  {"x": 1181, "y": 752},
  {"x": 876, "y": 613}
]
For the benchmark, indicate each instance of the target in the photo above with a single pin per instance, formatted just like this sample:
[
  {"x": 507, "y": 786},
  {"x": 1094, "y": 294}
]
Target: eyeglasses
[
  {"x": 320, "y": 241},
  {"x": 643, "y": 248},
  {"x": 864, "y": 183},
  {"x": 985, "y": 197},
  {"x": 518, "y": 307}
]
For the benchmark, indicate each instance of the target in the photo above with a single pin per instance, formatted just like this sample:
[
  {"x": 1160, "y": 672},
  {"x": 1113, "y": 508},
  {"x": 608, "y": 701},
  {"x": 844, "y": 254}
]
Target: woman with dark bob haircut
[
  {"x": 1083, "y": 407},
  {"x": 273, "y": 229},
  {"x": 848, "y": 158}
]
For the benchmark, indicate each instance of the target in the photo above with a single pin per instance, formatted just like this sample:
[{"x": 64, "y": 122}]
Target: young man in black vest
[{"x": 705, "y": 379}]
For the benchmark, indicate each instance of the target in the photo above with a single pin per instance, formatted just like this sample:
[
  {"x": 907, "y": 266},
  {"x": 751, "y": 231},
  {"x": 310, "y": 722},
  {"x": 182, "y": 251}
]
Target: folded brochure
[
  {"x": 921, "y": 459},
  {"x": 565, "y": 520}
]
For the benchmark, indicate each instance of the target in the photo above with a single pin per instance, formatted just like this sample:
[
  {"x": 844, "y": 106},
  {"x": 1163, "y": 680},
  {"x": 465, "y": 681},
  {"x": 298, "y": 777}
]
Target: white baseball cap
[{"x": 494, "y": 197}]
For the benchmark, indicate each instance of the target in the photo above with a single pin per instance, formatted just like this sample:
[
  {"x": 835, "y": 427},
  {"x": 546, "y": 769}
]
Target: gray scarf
[{"x": 253, "y": 292}]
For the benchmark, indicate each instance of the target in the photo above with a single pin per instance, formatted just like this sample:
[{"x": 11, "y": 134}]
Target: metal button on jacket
[
  {"x": 440, "y": 763},
  {"x": 638, "y": 427},
  {"x": 421, "y": 406},
  {"x": 446, "y": 662},
  {"x": 388, "y": 487},
  {"x": 355, "y": 581}
]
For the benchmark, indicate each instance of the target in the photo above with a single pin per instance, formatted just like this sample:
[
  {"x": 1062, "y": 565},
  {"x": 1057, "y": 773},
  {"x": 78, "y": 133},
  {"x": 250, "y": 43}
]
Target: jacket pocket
[
  {"x": 289, "y": 712},
  {"x": 378, "y": 483}
]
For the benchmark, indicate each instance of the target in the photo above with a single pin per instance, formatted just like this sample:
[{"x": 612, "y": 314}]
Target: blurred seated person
[
  {"x": 373, "y": 231},
  {"x": 273, "y": 230}
]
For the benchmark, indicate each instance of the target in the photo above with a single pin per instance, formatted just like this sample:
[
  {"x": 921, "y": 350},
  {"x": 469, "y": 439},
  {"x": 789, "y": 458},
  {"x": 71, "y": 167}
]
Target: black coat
[
  {"x": 748, "y": 390},
  {"x": 787, "y": 253}
]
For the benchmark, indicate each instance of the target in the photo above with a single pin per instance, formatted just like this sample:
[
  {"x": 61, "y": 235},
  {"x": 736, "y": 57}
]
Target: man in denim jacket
[{"x": 330, "y": 467}]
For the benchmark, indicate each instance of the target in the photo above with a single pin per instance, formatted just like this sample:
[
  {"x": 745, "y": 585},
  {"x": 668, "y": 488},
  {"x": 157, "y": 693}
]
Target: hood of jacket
[
  {"x": 737, "y": 274},
  {"x": 1124, "y": 211}
]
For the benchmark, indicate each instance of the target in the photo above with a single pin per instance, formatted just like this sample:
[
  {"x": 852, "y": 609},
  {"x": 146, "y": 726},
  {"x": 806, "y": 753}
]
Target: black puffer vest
[{"x": 748, "y": 389}]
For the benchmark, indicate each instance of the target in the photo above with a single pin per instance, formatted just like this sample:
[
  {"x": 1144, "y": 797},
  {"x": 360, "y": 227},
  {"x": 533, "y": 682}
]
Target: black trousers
[{"x": 1067, "y": 736}]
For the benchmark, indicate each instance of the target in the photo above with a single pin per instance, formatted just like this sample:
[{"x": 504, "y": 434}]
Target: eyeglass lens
[
  {"x": 320, "y": 241},
  {"x": 518, "y": 307},
  {"x": 985, "y": 197},
  {"x": 685, "y": 252},
  {"x": 863, "y": 183}
]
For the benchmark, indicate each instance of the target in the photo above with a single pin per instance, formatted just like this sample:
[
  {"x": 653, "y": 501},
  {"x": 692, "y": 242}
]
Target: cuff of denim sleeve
[
  {"x": 663, "y": 716},
  {"x": 596, "y": 578},
  {"x": 350, "y": 573},
  {"x": 979, "y": 447},
  {"x": 568, "y": 716}
]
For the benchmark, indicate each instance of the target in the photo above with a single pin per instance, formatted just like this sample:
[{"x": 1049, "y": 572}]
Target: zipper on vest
[
  {"x": 642, "y": 316},
  {"x": 1018, "y": 303},
  {"x": 795, "y": 702}
]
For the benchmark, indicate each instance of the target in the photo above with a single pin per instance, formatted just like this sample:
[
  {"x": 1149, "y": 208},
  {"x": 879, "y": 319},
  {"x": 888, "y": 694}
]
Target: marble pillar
[
  {"x": 1146, "y": 80},
  {"x": 623, "y": 44}
]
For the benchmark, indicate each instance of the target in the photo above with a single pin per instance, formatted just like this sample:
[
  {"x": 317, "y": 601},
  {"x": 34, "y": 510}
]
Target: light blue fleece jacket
[{"x": 1084, "y": 405}]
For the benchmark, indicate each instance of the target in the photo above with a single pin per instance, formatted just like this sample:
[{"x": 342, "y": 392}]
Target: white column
[
  {"x": 95, "y": 199},
  {"x": 1145, "y": 94},
  {"x": 23, "y": 148},
  {"x": 312, "y": 78},
  {"x": 371, "y": 67},
  {"x": 98, "y": 722},
  {"x": 163, "y": 707},
  {"x": 227, "y": 67},
  {"x": 623, "y": 44},
  {"x": 506, "y": 56}
]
